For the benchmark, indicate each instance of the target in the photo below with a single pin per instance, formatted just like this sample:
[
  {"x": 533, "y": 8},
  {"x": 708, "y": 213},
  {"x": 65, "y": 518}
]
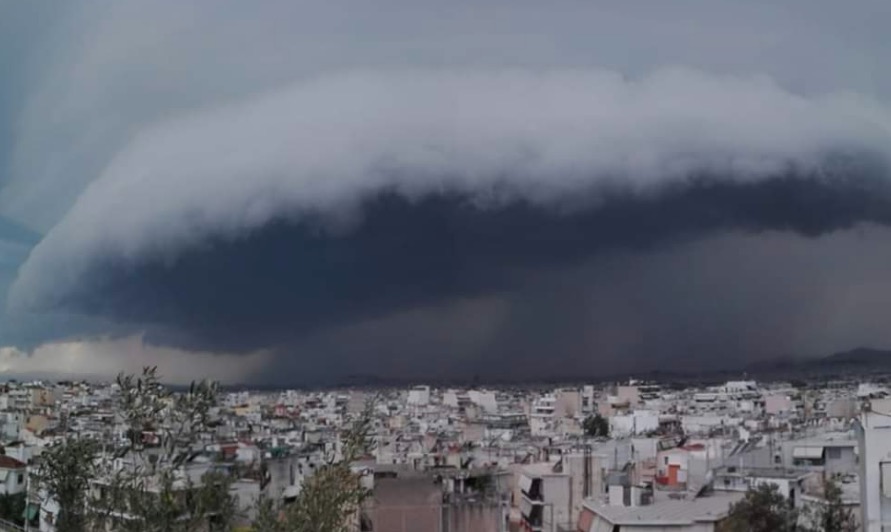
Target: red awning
[{"x": 585, "y": 520}]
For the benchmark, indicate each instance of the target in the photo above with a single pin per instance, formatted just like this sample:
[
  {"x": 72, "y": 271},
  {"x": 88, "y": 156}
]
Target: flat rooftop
[{"x": 671, "y": 512}]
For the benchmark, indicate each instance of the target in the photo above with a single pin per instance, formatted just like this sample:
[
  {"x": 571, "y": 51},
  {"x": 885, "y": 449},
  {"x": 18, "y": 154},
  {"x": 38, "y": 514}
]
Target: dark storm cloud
[
  {"x": 719, "y": 302},
  {"x": 284, "y": 280}
]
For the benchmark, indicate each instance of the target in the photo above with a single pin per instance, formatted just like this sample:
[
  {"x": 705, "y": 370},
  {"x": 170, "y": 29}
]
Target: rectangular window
[
  {"x": 833, "y": 453},
  {"x": 885, "y": 481}
]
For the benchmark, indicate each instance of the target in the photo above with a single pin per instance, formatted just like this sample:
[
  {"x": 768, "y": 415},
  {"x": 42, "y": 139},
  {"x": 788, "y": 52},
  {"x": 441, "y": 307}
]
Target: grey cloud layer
[
  {"x": 320, "y": 148},
  {"x": 81, "y": 79}
]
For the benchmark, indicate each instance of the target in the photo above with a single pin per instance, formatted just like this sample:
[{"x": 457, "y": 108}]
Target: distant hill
[
  {"x": 859, "y": 356},
  {"x": 861, "y": 360},
  {"x": 855, "y": 362}
]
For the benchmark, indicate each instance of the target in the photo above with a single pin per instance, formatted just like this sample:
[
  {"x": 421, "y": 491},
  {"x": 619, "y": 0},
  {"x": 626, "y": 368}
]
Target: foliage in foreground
[
  {"x": 12, "y": 508},
  {"x": 833, "y": 515},
  {"x": 66, "y": 470},
  {"x": 331, "y": 498},
  {"x": 154, "y": 495},
  {"x": 765, "y": 509}
]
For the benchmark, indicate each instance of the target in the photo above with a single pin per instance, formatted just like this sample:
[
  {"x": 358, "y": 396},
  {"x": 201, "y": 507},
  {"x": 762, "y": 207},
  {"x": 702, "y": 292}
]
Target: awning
[
  {"x": 586, "y": 518},
  {"x": 525, "y": 483},
  {"x": 808, "y": 453}
]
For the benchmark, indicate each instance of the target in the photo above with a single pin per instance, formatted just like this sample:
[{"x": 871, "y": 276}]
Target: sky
[{"x": 305, "y": 192}]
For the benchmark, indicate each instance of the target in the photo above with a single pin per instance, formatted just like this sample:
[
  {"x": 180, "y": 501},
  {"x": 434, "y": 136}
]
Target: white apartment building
[
  {"x": 545, "y": 501},
  {"x": 874, "y": 437},
  {"x": 419, "y": 396}
]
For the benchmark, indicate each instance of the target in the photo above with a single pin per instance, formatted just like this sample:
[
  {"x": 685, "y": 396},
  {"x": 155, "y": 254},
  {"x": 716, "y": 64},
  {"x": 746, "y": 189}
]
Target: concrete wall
[
  {"x": 846, "y": 462},
  {"x": 778, "y": 404},
  {"x": 556, "y": 491},
  {"x": 645, "y": 448},
  {"x": 415, "y": 504},
  {"x": 874, "y": 434},
  {"x": 574, "y": 466},
  {"x": 472, "y": 517},
  {"x": 485, "y": 400},
  {"x": 628, "y": 394},
  {"x": 844, "y": 408},
  {"x": 13, "y": 483},
  {"x": 406, "y": 505},
  {"x": 568, "y": 403},
  {"x": 637, "y": 422}
]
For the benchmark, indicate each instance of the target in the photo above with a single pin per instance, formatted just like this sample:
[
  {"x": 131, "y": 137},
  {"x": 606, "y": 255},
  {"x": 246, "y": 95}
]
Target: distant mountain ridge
[
  {"x": 860, "y": 355},
  {"x": 860, "y": 360},
  {"x": 857, "y": 360}
]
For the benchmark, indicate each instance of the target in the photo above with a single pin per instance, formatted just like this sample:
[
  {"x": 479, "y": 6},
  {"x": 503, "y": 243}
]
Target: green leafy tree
[
  {"x": 65, "y": 472},
  {"x": 596, "y": 426},
  {"x": 833, "y": 515},
  {"x": 331, "y": 499},
  {"x": 269, "y": 517},
  {"x": 154, "y": 493},
  {"x": 12, "y": 508},
  {"x": 764, "y": 509}
]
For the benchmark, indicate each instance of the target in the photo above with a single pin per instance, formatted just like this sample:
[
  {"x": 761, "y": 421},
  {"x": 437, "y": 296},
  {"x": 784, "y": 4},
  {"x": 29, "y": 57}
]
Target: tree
[
  {"x": 12, "y": 508},
  {"x": 269, "y": 518},
  {"x": 331, "y": 499},
  {"x": 66, "y": 470},
  {"x": 764, "y": 509},
  {"x": 833, "y": 515},
  {"x": 154, "y": 492},
  {"x": 596, "y": 426},
  {"x": 157, "y": 493}
]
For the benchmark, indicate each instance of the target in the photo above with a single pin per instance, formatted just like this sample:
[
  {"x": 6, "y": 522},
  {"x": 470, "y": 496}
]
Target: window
[
  {"x": 21, "y": 478},
  {"x": 885, "y": 480},
  {"x": 833, "y": 453},
  {"x": 365, "y": 523},
  {"x": 666, "y": 460}
]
